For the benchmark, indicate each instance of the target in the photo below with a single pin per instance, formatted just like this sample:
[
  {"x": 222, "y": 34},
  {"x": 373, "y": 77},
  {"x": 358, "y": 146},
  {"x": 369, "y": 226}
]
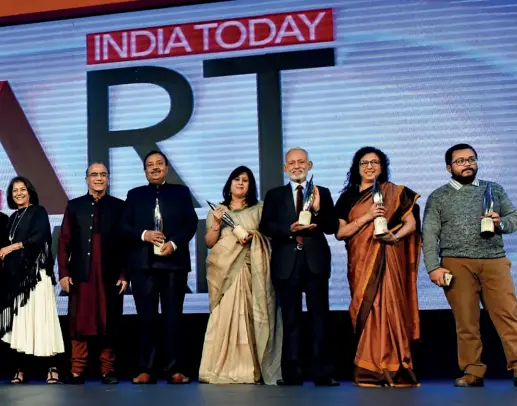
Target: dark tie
[
  {"x": 299, "y": 199},
  {"x": 299, "y": 204}
]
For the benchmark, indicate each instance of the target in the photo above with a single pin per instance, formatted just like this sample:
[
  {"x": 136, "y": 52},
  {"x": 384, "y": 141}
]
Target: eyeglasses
[
  {"x": 97, "y": 174},
  {"x": 373, "y": 162},
  {"x": 463, "y": 161}
]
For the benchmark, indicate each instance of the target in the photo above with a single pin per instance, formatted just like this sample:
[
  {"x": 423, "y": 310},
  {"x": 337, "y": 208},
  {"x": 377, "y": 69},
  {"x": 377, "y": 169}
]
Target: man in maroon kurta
[{"x": 91, "y": 271}]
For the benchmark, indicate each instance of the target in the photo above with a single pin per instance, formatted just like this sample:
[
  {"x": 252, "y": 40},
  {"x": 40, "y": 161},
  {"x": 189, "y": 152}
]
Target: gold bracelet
[
  {"x": 357, "y": 224},
  {"x": 215, "y": 229}
]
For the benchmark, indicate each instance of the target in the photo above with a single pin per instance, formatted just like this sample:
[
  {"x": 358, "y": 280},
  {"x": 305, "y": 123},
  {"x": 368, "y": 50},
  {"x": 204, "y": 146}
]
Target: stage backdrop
[{"x": 220, "y": 85}]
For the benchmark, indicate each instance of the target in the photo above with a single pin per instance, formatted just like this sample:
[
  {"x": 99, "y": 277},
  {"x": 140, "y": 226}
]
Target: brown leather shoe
[
  {"x": 178, "y": 379},
  {"x": 144, "y": 379},
  {"x": 468, "y": 380}
]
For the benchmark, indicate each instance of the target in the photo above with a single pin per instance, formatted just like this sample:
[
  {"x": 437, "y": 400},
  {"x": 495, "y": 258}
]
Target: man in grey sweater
[{"x": 478, "y": 264}]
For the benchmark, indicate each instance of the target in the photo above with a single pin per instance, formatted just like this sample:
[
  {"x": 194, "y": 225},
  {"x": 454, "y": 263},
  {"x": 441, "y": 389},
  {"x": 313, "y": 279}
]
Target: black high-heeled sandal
[
  {"x": 51, "y": 380},
  {"x": 17, "y": 380}
]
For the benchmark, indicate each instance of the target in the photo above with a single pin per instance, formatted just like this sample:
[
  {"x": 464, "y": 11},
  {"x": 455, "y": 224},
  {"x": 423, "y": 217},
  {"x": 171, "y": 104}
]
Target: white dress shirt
[{"x": 294, "y": 187}]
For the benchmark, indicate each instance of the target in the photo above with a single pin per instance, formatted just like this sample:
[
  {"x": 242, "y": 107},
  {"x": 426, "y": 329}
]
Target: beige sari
[{"x": 244, "y": 333}]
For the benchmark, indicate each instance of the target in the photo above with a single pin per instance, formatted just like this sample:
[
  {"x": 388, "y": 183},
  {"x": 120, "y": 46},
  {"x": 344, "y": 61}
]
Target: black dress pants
[
  {"x": 150, "y": 287},
  {"x": 289, "y": 292}
]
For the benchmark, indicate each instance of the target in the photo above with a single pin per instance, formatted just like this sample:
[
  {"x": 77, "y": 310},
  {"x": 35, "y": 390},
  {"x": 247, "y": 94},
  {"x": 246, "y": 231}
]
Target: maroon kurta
[{"x": 88, "y": 304}]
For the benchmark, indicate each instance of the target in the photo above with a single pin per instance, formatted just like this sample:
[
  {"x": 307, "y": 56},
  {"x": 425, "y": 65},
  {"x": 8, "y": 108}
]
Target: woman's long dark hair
[
  {"x": 251, "y": 197},
  {"x": 353, "y": 177},
  {"x": 33, "y": 195}
]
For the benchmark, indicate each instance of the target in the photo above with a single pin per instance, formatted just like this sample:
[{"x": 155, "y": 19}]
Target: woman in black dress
[{"x": 28, "y": 314}]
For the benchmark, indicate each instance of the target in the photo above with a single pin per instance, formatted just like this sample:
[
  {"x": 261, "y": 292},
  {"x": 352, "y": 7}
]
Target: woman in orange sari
[{"x": 382, "y": 271}]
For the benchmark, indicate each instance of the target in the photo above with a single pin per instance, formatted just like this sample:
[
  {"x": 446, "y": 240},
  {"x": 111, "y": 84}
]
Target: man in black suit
[
  {"x": 301, "y": 262},
  {"x": 160, "y": 276}
]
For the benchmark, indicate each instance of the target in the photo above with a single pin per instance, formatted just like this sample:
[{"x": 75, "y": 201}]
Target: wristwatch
[
  {"x": 315, "y": 212},
  {"x": 397, "y": 238},
  {"x": 501, "y": 226}
]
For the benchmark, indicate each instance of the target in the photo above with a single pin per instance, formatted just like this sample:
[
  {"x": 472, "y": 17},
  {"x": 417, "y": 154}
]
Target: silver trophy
[
  {"x": 158, "y": 226},
  {"x": 380, "y": 223},
  {"x": 237, "y": 230},
  {"x": 305, "y": 217},
  {"x": 487, "y": 223}
]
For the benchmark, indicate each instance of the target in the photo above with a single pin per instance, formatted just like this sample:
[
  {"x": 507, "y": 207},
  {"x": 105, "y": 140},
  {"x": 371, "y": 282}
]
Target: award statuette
[
  {"x": 237, "y": 229},
  {"x": 158, "y": 226},
  {"x": 304, "y": 219},
  {"x": 380, "y": 223},
  {"x": 487, "y": 223}
]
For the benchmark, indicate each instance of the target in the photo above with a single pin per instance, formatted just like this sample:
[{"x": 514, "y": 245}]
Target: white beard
[{"x": 298, "y": 178}]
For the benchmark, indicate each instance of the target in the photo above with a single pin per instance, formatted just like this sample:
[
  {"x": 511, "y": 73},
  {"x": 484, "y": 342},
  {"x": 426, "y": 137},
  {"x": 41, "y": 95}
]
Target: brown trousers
[
  {"x": 79, "y": 357},
  {"x": 489, "y": 281}
]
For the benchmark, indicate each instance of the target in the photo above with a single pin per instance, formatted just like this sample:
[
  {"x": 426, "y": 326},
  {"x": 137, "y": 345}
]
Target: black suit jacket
[
  {"x": 74, "y": 244},
  {"x": 279, "y": 213},
  {"x": 179, "y": 225}
]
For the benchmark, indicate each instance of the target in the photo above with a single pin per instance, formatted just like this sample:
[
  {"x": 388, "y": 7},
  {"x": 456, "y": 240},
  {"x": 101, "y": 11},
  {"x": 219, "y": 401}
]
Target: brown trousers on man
[
  {"x": 489, "y": 281},
  {"x": 80, "y": 356}
]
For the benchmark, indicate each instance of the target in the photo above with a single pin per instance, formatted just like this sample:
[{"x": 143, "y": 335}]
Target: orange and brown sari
[{"x": 382, "y": 278}]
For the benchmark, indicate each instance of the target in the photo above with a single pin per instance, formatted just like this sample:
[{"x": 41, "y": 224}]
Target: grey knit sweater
[{"x": 452, "y": 221}]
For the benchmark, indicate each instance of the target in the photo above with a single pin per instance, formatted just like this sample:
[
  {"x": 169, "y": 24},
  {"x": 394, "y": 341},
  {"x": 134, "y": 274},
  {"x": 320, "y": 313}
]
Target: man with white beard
[{"x": 300, "y": 262}]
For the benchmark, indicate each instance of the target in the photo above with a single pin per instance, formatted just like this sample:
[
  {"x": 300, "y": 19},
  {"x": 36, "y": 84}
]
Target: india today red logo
[{"x": 293, "y": 28}]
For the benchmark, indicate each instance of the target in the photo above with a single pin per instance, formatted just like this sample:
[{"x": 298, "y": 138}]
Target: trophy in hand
[
  {"x": 158, "y": 226},
  {"x": 487, "y": 223},
  {"x": 238, "y": 230},
  {"x": 380, "y": 223},
  {"x": 304, "y": 219}
]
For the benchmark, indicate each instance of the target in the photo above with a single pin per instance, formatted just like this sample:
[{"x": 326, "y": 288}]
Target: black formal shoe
[
  {"x": 75, "y": 380},
  {"x": 287, "y": 382},
  {"x": 110, "y": 379},
  {"x": 469, "y": 381},
  {"x": 326, "y": 382}
]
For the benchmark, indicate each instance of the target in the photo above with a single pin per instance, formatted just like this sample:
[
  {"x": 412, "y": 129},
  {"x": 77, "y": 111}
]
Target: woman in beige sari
[
  {"x": 243, "y": 338},
  {"x": 381, "y": 272}
]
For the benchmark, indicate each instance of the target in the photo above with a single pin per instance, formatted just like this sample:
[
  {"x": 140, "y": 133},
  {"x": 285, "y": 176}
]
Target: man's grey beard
[
  {"x": 298, "y": 178},
  {"x": 465, "y": 180}
]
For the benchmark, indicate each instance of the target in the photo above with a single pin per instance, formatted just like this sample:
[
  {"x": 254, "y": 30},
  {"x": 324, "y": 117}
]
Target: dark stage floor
[{"x": 441, "y": 393}]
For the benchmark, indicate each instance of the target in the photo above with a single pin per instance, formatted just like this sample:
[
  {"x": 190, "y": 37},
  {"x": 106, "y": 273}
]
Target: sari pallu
[
  {"x": 382, "y": 278},
  {"x": 244, "y": 332}
]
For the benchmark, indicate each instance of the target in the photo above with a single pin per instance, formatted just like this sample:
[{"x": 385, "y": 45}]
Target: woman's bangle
[
  {"x": 215, "y": 229},
  {"x": 357, "y": 225}
]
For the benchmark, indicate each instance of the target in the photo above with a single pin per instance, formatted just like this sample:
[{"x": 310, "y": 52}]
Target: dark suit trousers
[
  {"x": 149, "y": 287},
  {"x": 289, "y": 292}
]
